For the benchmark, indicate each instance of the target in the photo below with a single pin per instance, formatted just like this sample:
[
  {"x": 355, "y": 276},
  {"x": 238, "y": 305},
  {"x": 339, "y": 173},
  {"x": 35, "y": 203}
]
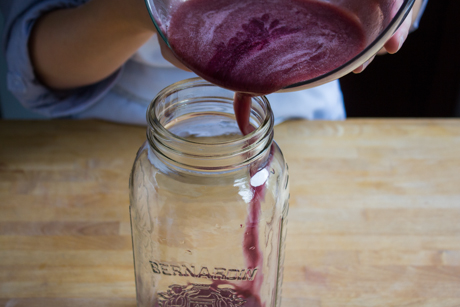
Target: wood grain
[{"x": 374, "y": 213}]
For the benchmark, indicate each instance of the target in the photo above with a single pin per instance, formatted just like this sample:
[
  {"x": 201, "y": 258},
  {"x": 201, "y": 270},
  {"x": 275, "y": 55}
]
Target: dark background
[{"x": 421, "y": 80}]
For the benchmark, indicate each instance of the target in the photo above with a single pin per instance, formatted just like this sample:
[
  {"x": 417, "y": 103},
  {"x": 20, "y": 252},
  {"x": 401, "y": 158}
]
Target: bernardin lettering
[{"x": 185, "y": 270}]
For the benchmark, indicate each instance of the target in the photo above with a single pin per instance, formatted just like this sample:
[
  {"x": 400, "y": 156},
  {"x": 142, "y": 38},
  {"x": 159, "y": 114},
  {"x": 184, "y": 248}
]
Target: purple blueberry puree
[
  {"x": 256, "y": 47},
  {"x": 259, "y": 47}
]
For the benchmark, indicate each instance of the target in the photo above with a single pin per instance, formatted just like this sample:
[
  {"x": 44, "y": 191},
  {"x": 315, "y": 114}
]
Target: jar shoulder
[{"x": 152, "y": 173}]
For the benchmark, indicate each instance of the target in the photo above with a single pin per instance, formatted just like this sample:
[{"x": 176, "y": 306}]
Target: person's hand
[{"x": 395, "y": 43}]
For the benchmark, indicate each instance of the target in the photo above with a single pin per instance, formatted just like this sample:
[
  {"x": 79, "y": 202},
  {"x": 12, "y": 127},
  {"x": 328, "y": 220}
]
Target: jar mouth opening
[
  {"x": 164, "y": 116},
  {"x": 193, "y": 123}
]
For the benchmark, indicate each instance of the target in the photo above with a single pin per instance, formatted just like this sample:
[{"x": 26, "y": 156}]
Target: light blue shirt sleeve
[
  {"x": 419, "y": 16},
  {"x": 20, "y": 17}
]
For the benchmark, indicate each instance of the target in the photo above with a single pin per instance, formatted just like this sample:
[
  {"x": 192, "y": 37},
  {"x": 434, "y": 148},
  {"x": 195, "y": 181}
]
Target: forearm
[{"x": 76, "y": 47}]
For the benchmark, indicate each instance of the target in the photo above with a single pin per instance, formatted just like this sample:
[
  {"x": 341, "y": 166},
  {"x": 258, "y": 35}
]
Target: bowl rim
[
  {"x": 394, "y": 24},
  {"x": 365, "y": 54}
]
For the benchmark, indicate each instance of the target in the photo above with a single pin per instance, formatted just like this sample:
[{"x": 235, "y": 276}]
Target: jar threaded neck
[{"x": 192, "y": 124}]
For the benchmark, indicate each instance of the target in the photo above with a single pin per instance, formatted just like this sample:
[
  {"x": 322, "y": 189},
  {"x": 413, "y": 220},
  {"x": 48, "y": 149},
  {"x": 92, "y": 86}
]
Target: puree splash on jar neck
[{"x": 259, "y": 47}]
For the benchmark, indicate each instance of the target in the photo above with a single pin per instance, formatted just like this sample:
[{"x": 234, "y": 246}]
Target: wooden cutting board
[{"x": 374, "y": 213}]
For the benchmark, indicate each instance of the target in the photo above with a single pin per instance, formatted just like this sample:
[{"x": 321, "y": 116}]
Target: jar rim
[{"x": 152, "y": 118}]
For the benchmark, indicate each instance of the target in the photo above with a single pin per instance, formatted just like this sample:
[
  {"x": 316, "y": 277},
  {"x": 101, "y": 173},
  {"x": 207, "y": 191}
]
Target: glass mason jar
[{"x": 208, "y": 205}]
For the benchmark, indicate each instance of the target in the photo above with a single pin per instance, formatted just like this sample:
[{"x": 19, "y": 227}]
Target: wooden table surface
[{"x": 374, "y": 214}]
